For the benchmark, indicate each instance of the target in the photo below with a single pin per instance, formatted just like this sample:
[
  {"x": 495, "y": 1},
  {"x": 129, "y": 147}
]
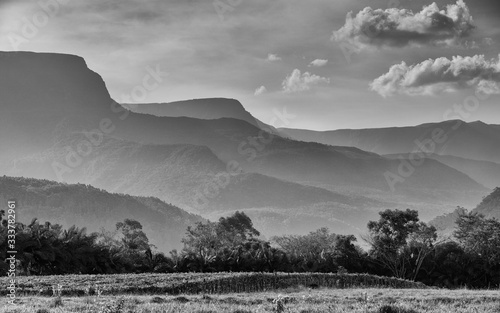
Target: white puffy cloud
[
  {"x": 441, "y": 75},
  {"x": 273, "y": 57},
  {"x": 297, "y": 82},
  {"x": 260, "y": 90},
  {"x": 318, "y": 63},
  {"x": 401, "y": 27}
]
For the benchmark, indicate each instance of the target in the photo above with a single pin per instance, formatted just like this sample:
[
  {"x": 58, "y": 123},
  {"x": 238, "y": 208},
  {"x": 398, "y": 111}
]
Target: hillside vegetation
[{"x": 93, "y": 208}]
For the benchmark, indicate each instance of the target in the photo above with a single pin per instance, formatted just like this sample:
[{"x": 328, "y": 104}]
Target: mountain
[
  {"x": 75, "y": 99},
  {"x": 86, "y": 206},
  {"x": 484, "y": 172},
  {"x": 58, "y": 121},
  {"x": 489, "y": 207},
  {"x": 207, "y": 109},
  {"x": 189, "y": 176},
  {"x": 41, "y": 93},
  {"x": 475, "y": 140}
]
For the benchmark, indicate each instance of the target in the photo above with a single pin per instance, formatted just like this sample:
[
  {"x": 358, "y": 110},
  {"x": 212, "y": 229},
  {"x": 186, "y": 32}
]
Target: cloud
[
  {"x": 318, "y": 63},
  {"x": 260, "y": 90},
  {"x": 297, "y": 82},
  {"x": 273, "y": 57},
  {"x": 401, "y": 27},
  {"x": 441, "y": 75}
]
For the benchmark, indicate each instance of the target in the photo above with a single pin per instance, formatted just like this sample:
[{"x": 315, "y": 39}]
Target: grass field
[
  {"x": 239, "y": 293},
  {"x": 298, "y": 300}
]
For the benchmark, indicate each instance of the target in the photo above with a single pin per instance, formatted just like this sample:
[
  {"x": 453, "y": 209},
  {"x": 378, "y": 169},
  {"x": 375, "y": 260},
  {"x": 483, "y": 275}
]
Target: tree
[
  {"x": 480, "y": 237},
  {"x": 135, "y": 245},
  {"x": 201, "y": 245},
  {"x": 221, "y": 245},
  {"x": 319, "y": 251},
  {"x": 133, "y": 236},
  {"x": 421, "y": 242},
  {"x": 400, "y": 242}
]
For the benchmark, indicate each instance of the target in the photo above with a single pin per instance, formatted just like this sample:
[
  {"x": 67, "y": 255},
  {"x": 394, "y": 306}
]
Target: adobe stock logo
[
  {"x": 30, "y": 27},
  {"x": 436, "y": 140}
]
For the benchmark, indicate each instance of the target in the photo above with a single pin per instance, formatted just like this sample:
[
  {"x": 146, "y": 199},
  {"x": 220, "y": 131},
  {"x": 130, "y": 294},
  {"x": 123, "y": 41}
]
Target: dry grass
[{"x": 298, "y": 300}]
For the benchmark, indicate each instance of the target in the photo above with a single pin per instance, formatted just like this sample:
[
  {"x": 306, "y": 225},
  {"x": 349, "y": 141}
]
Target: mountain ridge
[{"x": 474, "y": 140}]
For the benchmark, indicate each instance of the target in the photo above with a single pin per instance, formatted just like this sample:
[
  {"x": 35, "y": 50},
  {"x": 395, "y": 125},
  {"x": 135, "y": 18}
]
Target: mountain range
[
  {"x": 211, "y": 156},
  {"x": 474, "y": 140}
]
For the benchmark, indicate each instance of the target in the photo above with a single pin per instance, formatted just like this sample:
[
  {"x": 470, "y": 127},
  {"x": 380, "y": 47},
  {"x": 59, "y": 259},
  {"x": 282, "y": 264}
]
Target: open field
[{"x": 297, "y": 300}]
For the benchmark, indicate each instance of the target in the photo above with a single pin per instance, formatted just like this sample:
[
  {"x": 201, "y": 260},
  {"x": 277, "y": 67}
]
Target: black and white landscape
[{"x": 235, "y": 130}]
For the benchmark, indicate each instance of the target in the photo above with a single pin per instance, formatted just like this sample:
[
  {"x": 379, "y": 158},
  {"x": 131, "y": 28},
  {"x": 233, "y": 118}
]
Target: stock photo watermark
[
  {"x": 11, "y": 251},
  {"x": 249, "y": 148},
  {"x": 32, "y": 25},
  {"x": 436, "y": 141},
  {"x": 223, "y": 7}
]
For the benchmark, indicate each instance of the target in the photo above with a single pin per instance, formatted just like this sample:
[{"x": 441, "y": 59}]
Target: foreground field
[
  {"x": 196, "y": 283},
  {"x": 298, "y": 300}
]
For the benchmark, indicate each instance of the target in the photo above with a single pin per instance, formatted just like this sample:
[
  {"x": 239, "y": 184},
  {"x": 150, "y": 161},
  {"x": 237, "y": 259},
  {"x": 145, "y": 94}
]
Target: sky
[{"x": 330, "y": 64}]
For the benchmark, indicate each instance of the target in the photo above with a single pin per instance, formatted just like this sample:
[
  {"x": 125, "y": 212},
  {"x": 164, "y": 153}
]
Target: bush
[
  {"x": 394, "y": 309},
  {"x": 157, "y": 300}
]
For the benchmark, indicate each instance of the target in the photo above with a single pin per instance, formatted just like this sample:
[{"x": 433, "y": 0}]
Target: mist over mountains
[{"x": 211, "y": 156}]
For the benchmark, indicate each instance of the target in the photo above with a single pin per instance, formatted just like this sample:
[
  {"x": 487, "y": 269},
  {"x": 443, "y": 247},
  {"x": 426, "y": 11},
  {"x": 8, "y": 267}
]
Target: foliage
[
  {"x": 401, "y": 242},
  {"x": 401, "y": 246},
  {"x": 320, "y": 251}
]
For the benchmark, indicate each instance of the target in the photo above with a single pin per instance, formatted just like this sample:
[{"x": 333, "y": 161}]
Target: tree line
[{"x": 400, "y": 244}]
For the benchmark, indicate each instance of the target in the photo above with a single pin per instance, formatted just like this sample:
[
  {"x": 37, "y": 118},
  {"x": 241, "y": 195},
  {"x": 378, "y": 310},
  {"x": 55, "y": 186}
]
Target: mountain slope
[
  {"x": 188, "y": 176},
  {"x": 86, "y": 206},
  {"x": 484, "y": 172},
  {"x": 476, "y": 140},
  {"x": 489, "y": 207}
]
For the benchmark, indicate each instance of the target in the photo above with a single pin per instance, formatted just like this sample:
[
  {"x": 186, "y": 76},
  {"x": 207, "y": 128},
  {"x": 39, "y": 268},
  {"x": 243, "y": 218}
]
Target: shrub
[
  {"x": 56, "y": 302},
  {"x": 157, "y": 300},
  {"x": 181, "y": 299},
  {"x": 394, "y": 309}
]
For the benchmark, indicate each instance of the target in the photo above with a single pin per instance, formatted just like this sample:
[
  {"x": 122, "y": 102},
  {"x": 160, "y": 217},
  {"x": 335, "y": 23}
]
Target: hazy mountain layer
[
  {"x": 489, "y": 207},
  {"x": 188, "y": 176},
  {"x": 484, "y": 172},
  {"x": 476, "y": 140},
  {"x": 207, "y": 109},
  {"x": 86, "y": 206}
]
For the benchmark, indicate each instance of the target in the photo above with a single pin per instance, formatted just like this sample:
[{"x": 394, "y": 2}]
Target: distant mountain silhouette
[
  {"x": 86, "y": 206},
  {"x": 484, "y": 172},
  {"x": 475, "y": 140},
  {"x": 207, "y": 109}
]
